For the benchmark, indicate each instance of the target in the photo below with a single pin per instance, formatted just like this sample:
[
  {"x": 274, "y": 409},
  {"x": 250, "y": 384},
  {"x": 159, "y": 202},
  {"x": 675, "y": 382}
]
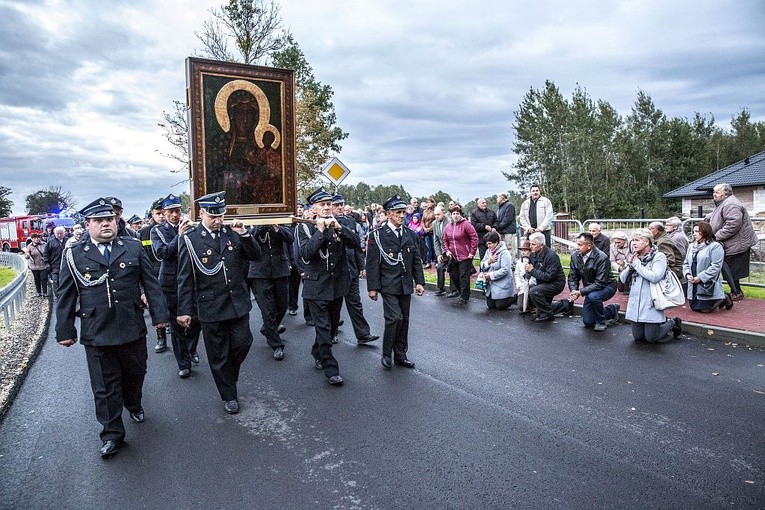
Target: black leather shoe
[
  {"x": 335, "y": 380},
  {"x": 184, "y": 373},
  {"x": 292, "y": 311},
  {"x": 441, "y": 293},
  {"x": 309, "y": 322},
  {"x": 404, "y": 363},
  {"x": 453, "y": 293},
  {"x": 195, "y": 358},
  {"x": 279, "y": 353},
  {"x": 544, "y": 318},
  {"x": 109, "y": 448},
  {"x": 231, "y": 406},
  {"x": 677, "y": 329},
  {"x": 281, "y": 329},
  {"x": 161, "y": 346},
  {"x": 318, "y": 365},
  {"x": 368, "y": 338},
  {"x": 334, "y": 339},
  {"x": 386, "y": 362},
  {"x": 138, "y": 416},
  {"x": 461, "y": 302},
  {"x": 341, "y": 322}
]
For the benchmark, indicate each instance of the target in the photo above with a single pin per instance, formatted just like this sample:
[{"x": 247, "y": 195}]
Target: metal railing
[{"x": 12, "y": 295}]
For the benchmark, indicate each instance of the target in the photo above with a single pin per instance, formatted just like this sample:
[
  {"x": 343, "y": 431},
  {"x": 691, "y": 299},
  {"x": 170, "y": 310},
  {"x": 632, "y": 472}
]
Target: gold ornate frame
[{"x": 255, "y": 166}]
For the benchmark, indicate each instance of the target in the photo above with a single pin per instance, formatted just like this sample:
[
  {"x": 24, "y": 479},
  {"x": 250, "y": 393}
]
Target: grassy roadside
[{"x": 6, "y": 276}]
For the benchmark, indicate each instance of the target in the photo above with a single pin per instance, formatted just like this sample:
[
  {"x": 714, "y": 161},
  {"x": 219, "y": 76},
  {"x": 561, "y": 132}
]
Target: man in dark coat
[
  {"x": 394, "y": 269},
  {"x": 268, "y": 279},
  {"x": 326, "y": 278},
  {"x": 54, "y": 249},
  {"x": 355, "y": 257},
  {"x": 212, "y": 264},
  {"x": 592, "y": 268},
  {"x": 544, "y": 265},
  {"x": 505, "y": 224},
  {"x": 164, "y": 242},
  {"x": 483, "y": 219},
  {"x": 144, "y": 235},
  {"x": 106, "y": 276}
]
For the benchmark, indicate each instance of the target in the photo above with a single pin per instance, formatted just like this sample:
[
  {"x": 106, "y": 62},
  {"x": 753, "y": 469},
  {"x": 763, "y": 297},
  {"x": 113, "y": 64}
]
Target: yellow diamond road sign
[{"x": 335, "y": 171}]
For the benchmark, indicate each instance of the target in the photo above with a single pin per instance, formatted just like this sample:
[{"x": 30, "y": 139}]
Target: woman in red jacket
[{"x": 460, "y": 245}]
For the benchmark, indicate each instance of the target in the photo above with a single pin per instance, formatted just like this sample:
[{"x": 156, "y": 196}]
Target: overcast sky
[{"x": 426, "y": 89}]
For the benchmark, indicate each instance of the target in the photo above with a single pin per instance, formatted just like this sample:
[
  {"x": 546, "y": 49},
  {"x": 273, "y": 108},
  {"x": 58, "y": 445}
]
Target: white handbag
[{"x": 667, "y": 292}]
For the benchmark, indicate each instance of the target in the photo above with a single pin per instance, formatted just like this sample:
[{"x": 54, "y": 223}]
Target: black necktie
[
  {"x": 107, "y": 252},
  {"x": 398, "y": 232}
]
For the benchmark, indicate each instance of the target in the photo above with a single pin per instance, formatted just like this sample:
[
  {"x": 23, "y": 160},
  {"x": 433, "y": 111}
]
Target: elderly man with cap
[
  {"x": 105, "y": 280},
  {"x": 294, "y": 255},
  {"x": 164, "y": 243},
  {"x": 122, "y": 229},
  {"x": 355, "y": 257},
  {"x": 394, "y": 269},
  {"x": 326, "y": 278},
  {"x": 212, "y": 263}
]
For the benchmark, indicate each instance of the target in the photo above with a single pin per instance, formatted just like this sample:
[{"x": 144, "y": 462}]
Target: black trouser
[
  {"x": 355, "y": 308},
  {"x": 459, "y": 274},
  {"x": 41, "y": 281},
  {"x": 272, "y": 296},
  {"x": 227, "y": 343},
  {"x": 183, "y": 340},
  {"x": 54, "y": 282},
  {"x": 727, "y": 273},
  {"x": 500, "y": 304},
  {"x": 116, "y": 378},
  {"x": 441, "y": 269},
  {"x": 326, "y": 317},
  {"x": 542, "y": 295},
  {"x": 396, "y": 314},
  {"x": 292, "y": 302}
]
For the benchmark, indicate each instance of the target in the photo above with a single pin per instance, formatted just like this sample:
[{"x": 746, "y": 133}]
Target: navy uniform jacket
[
  {"x": 144, "y": 234},
  {"x": 220, "y": 296},
  {"x": 164, "y": 244},
  {"x": 110, "y": 312},
  {"x": 355, "y": 254},
  {"x": 275, "y": 247},
  {"x": 393, "y": 266},
  {"x": 326, "y": 275}
]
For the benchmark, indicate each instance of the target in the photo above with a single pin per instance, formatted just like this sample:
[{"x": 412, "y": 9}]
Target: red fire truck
[{"x": 15, "y": 231}]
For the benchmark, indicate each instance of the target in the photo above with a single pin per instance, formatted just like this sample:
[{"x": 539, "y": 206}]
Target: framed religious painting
[{"x": 242, "y": 138}]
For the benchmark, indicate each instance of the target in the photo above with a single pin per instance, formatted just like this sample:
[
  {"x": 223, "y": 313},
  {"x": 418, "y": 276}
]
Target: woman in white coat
[
  {"x": 496, "y": 267},
  {"x": 647, "y": 265}
]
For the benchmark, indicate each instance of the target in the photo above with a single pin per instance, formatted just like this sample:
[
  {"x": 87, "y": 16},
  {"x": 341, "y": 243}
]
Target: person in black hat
[
  {"x": 135, "y": 223},
  {"x": 394, "y": 269},
  {"x": 164, "y": 242},
  {"x": 355, "y": 257},
  {"x": 212, "y": 263},
  {"x": 122, "y": 229},
  {"x": 326, "y": 278},
  {"x": 104, "y": 280},
  {"x": 144, "y": 235}
]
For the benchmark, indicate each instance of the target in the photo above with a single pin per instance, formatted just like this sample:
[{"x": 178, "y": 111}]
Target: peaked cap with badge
[
  {"x": 171, "y": 202},
  {"x": 214, "y": 204},
  {"x": 98, "y": 208},
  {"x": 320, "y": 195},
  {"x": 393, "y": 203}
]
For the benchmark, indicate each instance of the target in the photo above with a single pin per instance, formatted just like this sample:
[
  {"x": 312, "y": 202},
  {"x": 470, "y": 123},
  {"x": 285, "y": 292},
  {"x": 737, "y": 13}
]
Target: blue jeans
[{"x": 593, "y": 311}]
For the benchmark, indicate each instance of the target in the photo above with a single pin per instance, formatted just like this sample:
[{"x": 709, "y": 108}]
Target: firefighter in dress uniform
[
  {"x": 144, "y": 234},
  {"x": 326, "y": 278},
  {"x": 212, "y": 263},
  {"x": 164, "y": 242},
  {"x": 394, "y": 269},
  {"x": 105, "y": 281}
]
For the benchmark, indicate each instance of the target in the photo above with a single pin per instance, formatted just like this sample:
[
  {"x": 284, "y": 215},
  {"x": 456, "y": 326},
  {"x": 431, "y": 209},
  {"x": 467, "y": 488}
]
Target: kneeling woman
[
  {"x": 702, "y": 266},
  {"x": 496, "y": 267},
  {"x": 647, "y": 265}
]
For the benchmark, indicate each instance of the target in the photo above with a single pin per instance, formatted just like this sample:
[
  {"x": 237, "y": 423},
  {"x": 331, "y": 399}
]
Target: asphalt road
[{"x": 499, "y": 413}]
